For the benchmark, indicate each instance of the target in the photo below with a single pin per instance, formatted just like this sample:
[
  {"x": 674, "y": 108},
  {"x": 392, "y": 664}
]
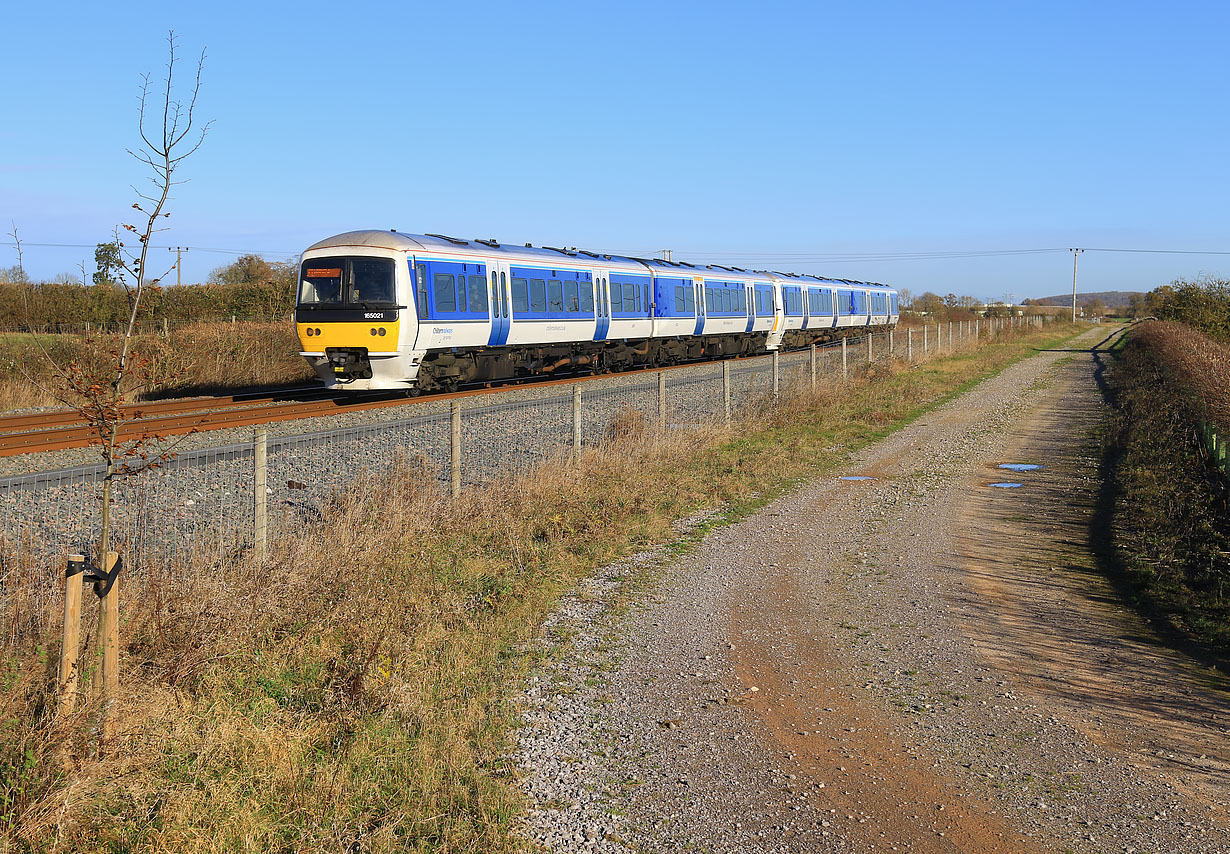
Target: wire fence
[{"x": 203, "y": 503}]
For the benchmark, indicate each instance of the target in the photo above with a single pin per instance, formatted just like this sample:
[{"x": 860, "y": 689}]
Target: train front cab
[{"x": 355, "y": 318}]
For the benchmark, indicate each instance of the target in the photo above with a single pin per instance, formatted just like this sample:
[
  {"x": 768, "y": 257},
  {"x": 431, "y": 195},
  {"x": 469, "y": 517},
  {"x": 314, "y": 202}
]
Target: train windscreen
[{"x": 358, "y": 282}]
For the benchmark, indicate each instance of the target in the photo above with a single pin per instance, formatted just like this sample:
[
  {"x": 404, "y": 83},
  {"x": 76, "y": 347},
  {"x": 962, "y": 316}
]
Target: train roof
[{"x": 397, "y": 241}]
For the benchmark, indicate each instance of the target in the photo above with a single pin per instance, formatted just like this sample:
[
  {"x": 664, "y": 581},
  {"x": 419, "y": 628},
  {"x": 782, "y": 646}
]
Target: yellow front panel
[{"x": 349, "y": 335}]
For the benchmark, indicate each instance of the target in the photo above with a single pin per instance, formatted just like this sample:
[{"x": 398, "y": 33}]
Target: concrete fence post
[
  {"x": 845, "y": 364},
  {"x": 950, "y": 345},
  {"x": 909, "y": 345},
  {"x": 870, "y": 335},
  {"x": 576, "y": 422},
  {"x": 813, "y": 367},
  {"x": 260, "y": 494},
  {"x": 891, "y": 352},
  {"x": 925, "y": 342},
  {"x": 662, "y": 401},
  {"x": 455, "y": 450},
  {"x": 777, "y": 372},
  {"x": 726, "y": 390}
]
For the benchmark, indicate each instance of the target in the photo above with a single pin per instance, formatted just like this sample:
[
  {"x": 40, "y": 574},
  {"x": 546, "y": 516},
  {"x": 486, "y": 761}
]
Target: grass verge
[
  {"x": 1171, "y": 517},
  {"x": 356, "y": 692}
]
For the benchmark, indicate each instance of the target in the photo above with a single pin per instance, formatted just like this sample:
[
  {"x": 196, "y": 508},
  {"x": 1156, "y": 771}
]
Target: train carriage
[{"x": 384, "y": 310}]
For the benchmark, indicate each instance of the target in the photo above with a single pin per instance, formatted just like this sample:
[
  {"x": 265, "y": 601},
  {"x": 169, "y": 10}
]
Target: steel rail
[{"x": 66, "y": 429}]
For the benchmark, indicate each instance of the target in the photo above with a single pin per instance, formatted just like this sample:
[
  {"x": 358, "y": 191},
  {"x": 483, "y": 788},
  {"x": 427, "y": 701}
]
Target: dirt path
[{"x": 917, "y": 662}]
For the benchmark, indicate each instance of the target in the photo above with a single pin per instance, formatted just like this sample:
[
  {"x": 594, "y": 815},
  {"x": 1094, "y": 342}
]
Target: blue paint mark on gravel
[
  {"x": 1007, "y": 485},
  {"x": 1021, "y": 466},
  {"x": 858, "y": 477}
]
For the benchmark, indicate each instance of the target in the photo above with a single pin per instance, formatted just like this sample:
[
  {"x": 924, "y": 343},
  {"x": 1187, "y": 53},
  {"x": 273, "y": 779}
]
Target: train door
[
  {"x": 501, "y": 318},
  {"x": 698, "y": 285},
  {"x": 602, "y": 306},
  {"x": 749, "y": 297}
]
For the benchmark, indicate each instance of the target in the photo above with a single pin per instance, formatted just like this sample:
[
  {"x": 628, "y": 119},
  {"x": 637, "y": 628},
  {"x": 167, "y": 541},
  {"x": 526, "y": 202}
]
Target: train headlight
[
  {"x": 382, "y": 330},
  {"x": 373, "y": 330},
  {"x": 309, "y": 332}
]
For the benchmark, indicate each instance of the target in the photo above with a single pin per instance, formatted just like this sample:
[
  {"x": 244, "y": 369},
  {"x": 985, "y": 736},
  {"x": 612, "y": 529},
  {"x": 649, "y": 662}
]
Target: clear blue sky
[{"x": 774, "y": 134}]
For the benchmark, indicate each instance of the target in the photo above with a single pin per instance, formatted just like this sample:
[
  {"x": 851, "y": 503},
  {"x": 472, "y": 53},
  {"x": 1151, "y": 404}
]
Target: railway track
[{"x": 64, "y": 429}]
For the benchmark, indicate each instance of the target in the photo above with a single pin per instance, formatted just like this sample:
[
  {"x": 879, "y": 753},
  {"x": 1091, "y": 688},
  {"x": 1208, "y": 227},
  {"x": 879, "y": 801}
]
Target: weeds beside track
[{"x": 354, "y": 693}]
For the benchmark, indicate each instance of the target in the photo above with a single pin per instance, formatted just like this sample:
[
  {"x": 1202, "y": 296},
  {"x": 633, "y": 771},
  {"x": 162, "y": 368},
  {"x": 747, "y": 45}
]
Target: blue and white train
[{"x": 385, "y": 310}]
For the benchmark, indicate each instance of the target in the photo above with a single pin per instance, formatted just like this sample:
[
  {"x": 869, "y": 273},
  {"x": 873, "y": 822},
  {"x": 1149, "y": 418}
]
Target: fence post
[
  {"x": 813, "y": 367},
  {"x": 455, "y": 481},
  {"x": 950, "y": 336},
  {"x": 72, "y": 633},
  {"x": 662, "y": 401},
  {"x": 109, "y": 631},
  {"x": 891, "y": 351},
  {"x": 166, "y": 328},
  {"x": 909, "y": 344},
  {"x": 260, "y": 518},
  {"x": 576, "y": 422},
  {"x": 870, "y": 335},
  {"x": 845, "y": 365},
  {"x": 925, "y": 341},
  {"x": 726, "y": 390},
  {"x": 777, "y": 372}
]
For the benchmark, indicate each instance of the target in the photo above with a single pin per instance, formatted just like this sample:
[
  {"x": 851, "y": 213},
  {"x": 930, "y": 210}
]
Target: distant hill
[{"x": 1111, "y": 299}]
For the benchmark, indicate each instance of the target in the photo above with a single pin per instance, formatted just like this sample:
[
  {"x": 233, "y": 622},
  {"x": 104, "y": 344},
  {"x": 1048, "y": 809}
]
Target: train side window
[
  {"x": 555, "y": 295},
  {"x": 461, "y": 292},
  {"x": 630, "y": 297},
  {"x": 709, "y": 298},
  {"x": 520, "y": 294},
  {"x": 446, "y": 297},
  {"x": 420, "y": 279},
  {"x": 648, "y": 301},
  {"x": 572, "y": 299},
  {"x": 587, "y": 297},
  {"x": 495, "y": 296},
  {"x": 478, "y": 295},
  {"x": 538, "y": 294}
]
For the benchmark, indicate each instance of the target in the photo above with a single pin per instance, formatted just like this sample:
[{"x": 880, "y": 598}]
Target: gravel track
[{"x": 919, "y": 662}]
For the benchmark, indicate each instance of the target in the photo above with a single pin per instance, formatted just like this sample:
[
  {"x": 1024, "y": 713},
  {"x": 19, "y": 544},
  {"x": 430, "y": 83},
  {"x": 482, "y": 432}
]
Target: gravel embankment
[{"x": 917, "y": 662}]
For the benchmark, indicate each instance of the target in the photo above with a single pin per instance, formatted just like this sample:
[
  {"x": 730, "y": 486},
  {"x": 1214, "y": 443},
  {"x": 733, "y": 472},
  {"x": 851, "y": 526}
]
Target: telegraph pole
[
  {"x": 179, "y": 252},
  {"x": 1075, "y": 254}
]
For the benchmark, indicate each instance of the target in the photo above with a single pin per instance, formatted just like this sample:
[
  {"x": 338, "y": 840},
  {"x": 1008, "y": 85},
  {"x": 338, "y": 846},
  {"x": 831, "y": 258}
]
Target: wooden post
[
  {"x": 845, "y": 365},
  {"x": 813, "y": 367},
  {"x": 455, "y": 455},
  {"x": 662, "y": 401},
  {"x": 576, "y": 422},
  {"x": 109, "y": 639},
  {"x": 726, "y": 390},
  {"x": 776, "y": 372},
  {"x": 70, "y": 650},
  {"x": 166, "y": 328},
  {"x": 260, "y": 518},
  {"x": 909, "y": 344}
]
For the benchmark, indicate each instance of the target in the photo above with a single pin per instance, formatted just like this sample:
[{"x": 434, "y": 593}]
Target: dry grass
[
  {"x": 194, "y": 359},
  {"x": 355, "y": 693}
]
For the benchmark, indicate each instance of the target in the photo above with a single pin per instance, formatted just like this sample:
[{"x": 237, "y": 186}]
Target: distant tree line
[{"x": 249, "y": 287}]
